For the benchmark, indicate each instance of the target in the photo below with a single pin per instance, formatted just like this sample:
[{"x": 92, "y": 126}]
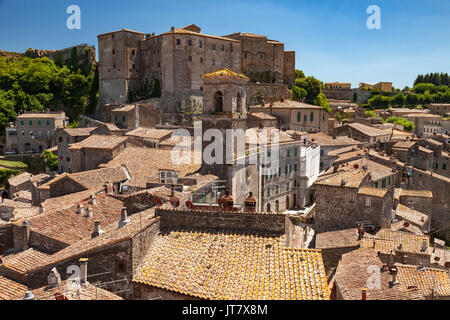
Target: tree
[
  {"x": 399, "y": 99},
  {"x": 321, "y": 100},
  {"x": 412, "y": 99},
  {"x": 312, "y": 86},
  {"x": 422, "y": 87},
  {"x": 51, "y": 161},
  {"x": 299, "y": 74},
  {"x": 299, "y": 93},
  {"x": 406, "y": 124}
]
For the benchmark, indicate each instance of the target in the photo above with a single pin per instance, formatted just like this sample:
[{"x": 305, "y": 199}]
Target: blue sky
[{"x": 330, "y": 36}]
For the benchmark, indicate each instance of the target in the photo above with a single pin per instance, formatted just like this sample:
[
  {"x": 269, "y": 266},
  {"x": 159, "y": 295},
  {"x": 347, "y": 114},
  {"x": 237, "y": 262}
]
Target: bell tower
[{"x": 224, "y": 107}]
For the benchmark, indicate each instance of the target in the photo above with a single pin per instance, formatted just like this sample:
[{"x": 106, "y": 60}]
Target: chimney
[
  {"x": 404, "y": 259},
  {"x": 89, "y": 212},
  {"x": 226, "y": 202},
  {"x": 424, "y": 245},
  {"x": 83, "y": 271},
  {"x": 92, "y": 200},
  {"x": 80, "y": 209},
  {"x": 60, "y": 296},
  {"x": 22, "y": 236},
  {"x": 394, "y": 281},
  {"x": 97, "y": 231},
  {"x": 391, "y": 259},
  {"x": 172, "y": 191},
  {"x": 172, "y": 29},
  {"x": 250, "y": 203},
  {"x": 29, "y": 295},
  {"x": 364, "y": 294},
  {"x": 361, "y": 232},
  {"x": 334, "y": 136},
  {"x": 105, "y": 188},
  {"x": 124, "y": 218},
  {"x": 54, "y": 278}
]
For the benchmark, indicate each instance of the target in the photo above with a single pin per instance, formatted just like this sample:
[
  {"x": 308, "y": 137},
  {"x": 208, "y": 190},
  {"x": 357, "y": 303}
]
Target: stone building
[
  {"x": 348, "y": 198},
  {"x": 64, "y": 138},
  {"x": 95, "y": 150},
  {"x": 35, "y": 131},
  {"x": 298, "y": 116},
  {"x": 134, "y": 65},
  {"x": 380, "y": 86},
  {"x": 425, "y": 124},
  {"x": 442, "y": 109},
  {"x": 363, "y": 133},
  {"x": 338, "y": 91},
  {"x": 133, "y": 116}
]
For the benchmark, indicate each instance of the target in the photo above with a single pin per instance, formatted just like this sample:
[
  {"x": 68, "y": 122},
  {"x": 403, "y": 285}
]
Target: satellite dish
[
  {"x": 157, "y": 201},
  {"x": 175, "y": 202},
  {"x": 190, "y": 205}
]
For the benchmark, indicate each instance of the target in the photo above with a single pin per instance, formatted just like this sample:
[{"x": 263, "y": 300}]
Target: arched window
[
  {"x": 218, "y": 101},
  {"x": 277, "y": 206},
  {"x": 268, "y": 207}
]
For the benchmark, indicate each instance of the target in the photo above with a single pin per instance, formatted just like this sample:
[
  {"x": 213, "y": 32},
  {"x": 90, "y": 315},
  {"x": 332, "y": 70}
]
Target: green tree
[
  {"x": 399, "y": 99},
  {"x": 321, "y": 100},
  {"x": 406, "y": 124},
  {"x": 51, "y": 161},
  {"x": 412, "y": 99},
  {"x": 299, "y": 93}
]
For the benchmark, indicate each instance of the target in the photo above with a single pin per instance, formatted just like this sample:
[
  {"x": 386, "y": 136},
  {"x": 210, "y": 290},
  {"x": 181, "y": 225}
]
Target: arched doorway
[
  {"x": 277, "y": 206},
  {"x": 27, "y": 147},
  {"x": 287, "y": 203},
  {"x": 218, "y": 101},
  {"x": 295, "y": 201},
  {"x": 268, "y": 208},
  {"x": 40, "y": 149},
  {"x": 239, "y": 103}
]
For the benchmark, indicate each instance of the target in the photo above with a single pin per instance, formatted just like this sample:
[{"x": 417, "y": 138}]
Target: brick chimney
[
  {"x": 124, "y": 218},
  {"x": 92, "y": 200},
  {"x": 80, "y": 209},
  {"x": 226, "y": 202},
  {"x": 83, "y": 271},
  {"x": 97, "y": 231},
  {"x": 54, "y": 278},
  {"x": 21, "y": 236}
]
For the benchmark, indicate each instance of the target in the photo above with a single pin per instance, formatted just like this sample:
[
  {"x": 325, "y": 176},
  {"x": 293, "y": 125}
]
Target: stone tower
[{"x": 224, "y": 107}]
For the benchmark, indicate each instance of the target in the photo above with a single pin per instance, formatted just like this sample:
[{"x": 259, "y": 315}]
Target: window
[
  {"x": 383, "y": 183},
  {"x": 261, "y": 56},
  {"x": 305, "y": 118},
  {"x": 114, "y": 51},
  {"x": 351, "y": 198},
  {"x": 231, "y": 47},
  {"x": 201, "y": 60},
  {"x": 277, "y": 189},
  {"x": 189, "y": 42},
  {"x": 30, "y": 122},
  {"x": 286, "y": 170},
  {"x": 295, "y": 183},
  {"x": 60, "y": 139},
  {"x": 268, "y": 192},
  {"x": 223, "y": 48},
  {"x": 245, "y": 55},
  {"x": 190, "y": 58},
  {"x": 299, "y": 117},
  {"x": 21, "y": 123},
  {"x": 133, "y": 52},
  {"x": 39, "y": 122},
  {"x": 115, "y": 118},
  {"x": 311, "y": 117},
  {"x": 321, "y": 153},
  {"x": 288, "y": 153},
  {"x": 295, "y": 167},
  {"x": 444, "y": 166},
  {"x": 200, "y": 44},
  {"x": 269, "y": 154},
  {"x": 178, "y": 42},
  {"x": 389, "y": 180},
  {"x": 287, "y": 186},
  {"x": 296, "y": 152},
  {"x": 214, "y": 62},
  {"x": 376, "y": 184},
  {"x": 368, "y": 202},
  {"x": 214, "y": 46},
  {"x": 124, "y": 118}
]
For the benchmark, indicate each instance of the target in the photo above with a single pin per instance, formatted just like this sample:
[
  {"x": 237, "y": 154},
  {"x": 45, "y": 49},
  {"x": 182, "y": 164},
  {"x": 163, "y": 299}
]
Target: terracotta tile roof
[
  {"x": 224, "y": 73},
  {"x": 352, "y": 179},
  {"x": 22, "y": 194},
  {"x": 287, "y": 104},
  {"x": 112, "y": 235},
  {"x": 89, "y": 292},
  {"x": 67, "y": 201},
  {"x": 337, "y": 152},
  {"x": 425, "y": 150},
  {"x": 150, "y": 133},
  {"x": 406, "y": 227},
  {"x": 337, "y": 239},
  {"x": 67, "y": 226},
  {"x": 24, "y": 261},
  {"x": 185, "y": 31},
  {"x": 125, "y": 108},
  {"x": 404, "y": 144},
  {"x": 41, "y": 115},
  {"x": 21, "y": 178},
  {"x": 373, "y": 192},
  {"x": 10, "y": 290},
  {"x": 416, "y": 193},
  {"x": 386, "y": 240},
  {"x": 225, "y": 265},
  {"x": 143, "y": 165},
  {"x": 424, "y": 279},
  {"x": 95, "y": 178},
  {"x": 377, "y": 170},
  {"x": 262, "y": 116},
  {"x": 367, "y": 130},
  {"x": 14, "y": 204},
  {"x": 79, "y": 132},
  {"x": 24, "y": 213},
  {"x": 348, "y": 156},
  {"x": 99, "y": 142},
  {"x": 411, "y": 215},
  {"x": 434, "y": 142},
  {"x": 439, "y": 257},
  {"x": 352, "y": 275},
  {"x": 324, "y": 140}
]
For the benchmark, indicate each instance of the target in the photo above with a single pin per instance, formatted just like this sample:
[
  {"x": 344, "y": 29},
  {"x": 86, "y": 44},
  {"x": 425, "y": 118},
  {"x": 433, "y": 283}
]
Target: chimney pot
[
  {"x": 364, "y": 294},
  {"x": 83, "y": 271},
  {"x": 80, "y": 209},
  {"x": 124, "y": 218},
  {"x": 54, "y": 278},
  {"x": 92, "y": 200},
  {"x": 89, "y": 212},
  {"x": 97, "y": 231},
  {"x": 29, "y": 295}
]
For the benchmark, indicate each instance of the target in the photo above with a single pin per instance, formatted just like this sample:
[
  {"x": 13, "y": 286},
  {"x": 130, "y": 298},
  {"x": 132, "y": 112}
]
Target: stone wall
[
  {"x": 269, "y": 92},
  {"x": 220, "y": 220}
]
